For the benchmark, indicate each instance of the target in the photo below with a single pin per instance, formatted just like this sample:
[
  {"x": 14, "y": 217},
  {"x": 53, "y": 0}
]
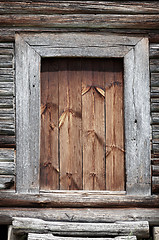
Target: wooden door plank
[
  {"x": 93, "y": 125},
  {"x": 114, "y": 127},
  {"x": 49, "y": 165},
  {"x": 70, "y": 124}
]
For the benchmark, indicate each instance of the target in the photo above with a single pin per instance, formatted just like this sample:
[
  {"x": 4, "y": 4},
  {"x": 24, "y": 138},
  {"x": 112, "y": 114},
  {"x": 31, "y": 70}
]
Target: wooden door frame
[{"x": 135, "y": 53}]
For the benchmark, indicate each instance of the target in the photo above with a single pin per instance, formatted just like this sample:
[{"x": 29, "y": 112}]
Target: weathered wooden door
[{"x": 82, "y": 124}]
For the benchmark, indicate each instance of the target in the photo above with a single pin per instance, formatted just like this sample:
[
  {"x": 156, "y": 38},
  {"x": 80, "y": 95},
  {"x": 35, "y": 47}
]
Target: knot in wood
[{"x": 69, "y": 175}]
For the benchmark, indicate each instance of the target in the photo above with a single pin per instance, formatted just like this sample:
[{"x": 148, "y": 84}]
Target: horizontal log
[
  {"x": 155, "y": 161},
  {"x": 155, "y": 170},
  {"x": 154, "y": 107},
  {"x": 52, "y": 7},
  {"x": 138, "y": 21},
  {"x": 6, "y": 46},
  {"x": 154, "y": 79},
  {"x": 34, "y": 236},
  {"x": 155, "y": 135},
  {"x": 7, "y": 168},
  {"x": 6, "y": 88},
  {"x": 155, "y": 184},
  {"x": 34, "y": 225},
  {"x": 155, "y": 118},
  {"x": 6, "y": 71},
  {"x": 95, "y": 215},
  {"x": 154, "y": 65},
  {"x": 7, "y": 141},
  {"x": 6, "y": 182},
  {"x": 7, "y": 122},
  {"x": 155, "y": 146},
  {"x": 6, "y": 61},
  {"x": 154, "y": 50},
  {"x": 9, "y": 35},
  {"x": 78, "y": 199},
  {"x": 7, "y": 154},
  {"x": 6, "y": 102}
]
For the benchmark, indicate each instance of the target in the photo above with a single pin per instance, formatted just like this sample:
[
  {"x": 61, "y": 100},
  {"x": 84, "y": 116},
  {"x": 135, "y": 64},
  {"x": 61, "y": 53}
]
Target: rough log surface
[
  {"x": 57, "y": 7},
  {"x": 96, "y": 215},
  {"x": 154, "y": 69},
  {"x": 34, "y": 225},
  {"x": 32, "y": 236},
  {"x": 76, "y": 199}
]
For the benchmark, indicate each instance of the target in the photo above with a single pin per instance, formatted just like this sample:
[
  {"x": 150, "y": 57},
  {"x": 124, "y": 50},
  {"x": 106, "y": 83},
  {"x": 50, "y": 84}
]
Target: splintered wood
[{"x": 82, "y": 124}]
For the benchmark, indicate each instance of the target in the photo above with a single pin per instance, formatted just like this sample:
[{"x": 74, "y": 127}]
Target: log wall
[{"x": 131, "y": 18}]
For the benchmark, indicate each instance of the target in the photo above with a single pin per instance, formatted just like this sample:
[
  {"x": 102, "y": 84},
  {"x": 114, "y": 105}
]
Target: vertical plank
[
  {"x": 27, "y": 117},
  {"x": 49, "y": 164},
  {"x": 137, "y": 119},
  {"x": 70, "y": 124},
  {"x": 93, "y": 125},
  {"x": 115, "y": 174}
]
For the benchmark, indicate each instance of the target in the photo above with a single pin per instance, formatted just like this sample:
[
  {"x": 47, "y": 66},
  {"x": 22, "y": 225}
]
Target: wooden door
[{"x": 82, "y": 124}]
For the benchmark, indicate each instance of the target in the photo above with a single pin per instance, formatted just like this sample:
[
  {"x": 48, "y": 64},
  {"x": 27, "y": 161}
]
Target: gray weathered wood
[
  {"x": 80, "y": 44},
  {"x": 154, "y": 79},
  {"x": 6, "y": 182},
  {"x": 33, "y": 236},
  {"x": 34, "y": 225},
  {"x": 27, "y": 117},
  {"x": 6, "y": 88},
  {"x": 137, "y": 107},
  {"x": 6, "y": 102},
  {"x": 155, "y": 170},
  {"x": 155, "y": 118},
  {"x": 154, "y": 50},
  {"x": 155, "y": 161},
  {"x": 155, "y": 184},
  {"x": 137, "y": 120},
  {"x": 76, "y": 199},
  {"x": 7, "y": 122},
  {"x": 154, "y": 65},
  {"x": 6, "y": 155},
  {"x": 96, "y": 215},
  {"x": 50, "y": 7},
  {"x": 7, "y": 168}
]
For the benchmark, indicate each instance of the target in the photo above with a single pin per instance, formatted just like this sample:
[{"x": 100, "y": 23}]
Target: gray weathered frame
[{"x": 135, "y": 53}]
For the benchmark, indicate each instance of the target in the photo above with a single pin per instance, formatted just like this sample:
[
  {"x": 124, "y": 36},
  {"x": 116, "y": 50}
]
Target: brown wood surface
[
  {"x": 73, "y": 103},
  {"x": 77, "y": 199},
  {"x": 57, "y": 7},
  {"x": 70, "y": 124},
  {"x": 114, "y": 127},
  {"x": 49, "y": 165},
  {"x": 93, "y": 123}
]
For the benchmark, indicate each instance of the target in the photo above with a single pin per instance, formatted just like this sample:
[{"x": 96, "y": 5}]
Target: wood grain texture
[
  {"x": 7, "y": 155},
  {"x": 7, "y": 141},
  {"x": 155, "y": 184},
  {"x": 77, "y": 199},
  {"x": 137, "y": 120},
  {"x": 93, "y": 124},
  {"x": 28, "y": 117},
  {"x": 118, "y": 21},
  {"x": 139, "y": 229},
  {"x": 32, "y": 236},
  {"x": 53, "y": 7},
  {"x": 7, "y": 168},
  {"x": 115, "y": 165},
  {"x": 70, "y": 124},
  {"x": 91, "y": 215},
  {"x": 49, "y": 162},
  {"x": 6, "y": 182}
]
